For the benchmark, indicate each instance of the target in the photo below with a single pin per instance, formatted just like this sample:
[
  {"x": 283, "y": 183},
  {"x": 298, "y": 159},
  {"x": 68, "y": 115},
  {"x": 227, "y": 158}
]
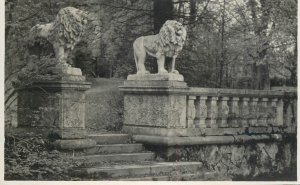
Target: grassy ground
[{"x": 104, "y": 107}]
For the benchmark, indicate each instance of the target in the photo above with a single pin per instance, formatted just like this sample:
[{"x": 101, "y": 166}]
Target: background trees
[{"x": 232, "y": 43}]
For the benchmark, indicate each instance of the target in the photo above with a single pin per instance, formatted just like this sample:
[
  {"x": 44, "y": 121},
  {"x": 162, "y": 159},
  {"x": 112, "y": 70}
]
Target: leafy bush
[
  {"x": 35, "y": 70},
  {"x": 30, "y": 158}
]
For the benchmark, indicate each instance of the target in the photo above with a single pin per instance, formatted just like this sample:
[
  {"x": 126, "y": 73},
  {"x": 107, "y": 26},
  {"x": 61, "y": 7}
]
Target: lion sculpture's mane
[
  {"x": 171, "y": 43},
  {"x": 167, "y": 43},
  {"x": 64, "y": 32}
]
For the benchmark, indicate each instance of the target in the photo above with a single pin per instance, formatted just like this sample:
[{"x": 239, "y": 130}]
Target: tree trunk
[
  {"x": 260, "y": 68},
  {"x": 193, "y": 11},
  {"x": 162, "y": 11},
  {"x": 222, "y": 59},
  {"x": 260, "y": 76}
]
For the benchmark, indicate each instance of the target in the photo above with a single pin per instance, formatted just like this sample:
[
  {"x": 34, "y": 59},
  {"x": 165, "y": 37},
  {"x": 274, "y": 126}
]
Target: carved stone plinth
[
  {"x": 156, "y": 77},
  {"x": 155, "y": 103},
  {"x": 58, "y": 105}
]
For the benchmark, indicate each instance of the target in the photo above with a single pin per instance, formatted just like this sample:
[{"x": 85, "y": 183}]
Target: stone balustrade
[
  {"x": 237, "y": 108},
  {"x": 180, "y": 122},
  {"x": 163, "y": 105}
]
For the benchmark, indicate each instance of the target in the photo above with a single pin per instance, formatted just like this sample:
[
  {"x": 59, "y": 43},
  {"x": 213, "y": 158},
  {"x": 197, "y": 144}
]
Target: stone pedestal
[
  {"x": 154, "y": 102},
  {"x": 58, "y": 105}
]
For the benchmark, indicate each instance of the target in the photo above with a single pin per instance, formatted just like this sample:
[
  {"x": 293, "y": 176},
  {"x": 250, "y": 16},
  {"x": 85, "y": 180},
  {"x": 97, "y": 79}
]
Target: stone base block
[
  {"x": 71, "y": 133},
  {"x": 185, "y": 132},
  {"x": 57, "y": 107},
  {"x": 164, "y": 111},
  {"x": 179, "y": 132},
  {"x": 156, "y": 77},
  {"x": 74, "y": 144},
  {"x": 66, "y": 71},
  {"x": 208, "y": 140},
  {"x": 154, "y": 86},
  {"x": 155, "y": 103},
  {"x": 53, "y": 104}
]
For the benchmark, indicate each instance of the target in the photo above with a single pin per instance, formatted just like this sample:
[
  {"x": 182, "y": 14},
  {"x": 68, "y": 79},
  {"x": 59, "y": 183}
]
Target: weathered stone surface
[
  {"x": 69, "y": 21},
  {"x": 66, "y": 71},
  {"x": 154, "y": 104},
  {"x": 156, "y": 77},
  {"x": 180, "y": 132},
  {"x": 156, "y": 168},
  {"x": 110, "y": 138},
  {"x": 208, "y": 140},
  {"x": 198, "y": 176},
  {"x": 94, "y": 159},
  {"x": 155, "y": 111},
  {"x": 234, "y": 160},
  {"x": 72, "y": 144},
  {"x": 147, "y": 86},
  {"x": 53, "y": 104},
  {"x": 167, "y": 43},
  {"x": 115, "y": 148},
  {"x": 71, "y": 133}
]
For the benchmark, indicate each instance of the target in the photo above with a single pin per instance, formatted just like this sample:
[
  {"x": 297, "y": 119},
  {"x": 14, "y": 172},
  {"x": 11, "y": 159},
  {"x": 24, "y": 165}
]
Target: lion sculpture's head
[{"x": 172, "y": 36}]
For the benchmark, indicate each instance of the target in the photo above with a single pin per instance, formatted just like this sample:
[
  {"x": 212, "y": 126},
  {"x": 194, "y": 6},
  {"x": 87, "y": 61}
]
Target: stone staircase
[{"x": 116, "y": 157}]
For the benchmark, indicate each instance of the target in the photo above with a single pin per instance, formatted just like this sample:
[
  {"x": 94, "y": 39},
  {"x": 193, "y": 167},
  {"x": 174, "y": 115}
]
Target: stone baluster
[
  {"x": 294, "y": 112},
  {"x": 287, "y": 116},
  {"x": 234, "y": 112},
  {"x": 223, "y": 112},
  {"x": 272, "y": 112},
  {"x": 202, "y": 111},
  {"x": 254, "y": 112},
  {"x": 244, "y": 111},
  {"x": 279, "y": 108},
  {"x": 212, "y": 112},
  {"x": 190, "y": 112},
  {"x": 259, "y": 112},
  {"x": 197, "y": 112},
  {"x": 262, "y": 105}
]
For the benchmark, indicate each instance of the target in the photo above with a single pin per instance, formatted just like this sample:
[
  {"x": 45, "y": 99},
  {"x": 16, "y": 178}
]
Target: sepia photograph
[{"x": 150, "y": 90}]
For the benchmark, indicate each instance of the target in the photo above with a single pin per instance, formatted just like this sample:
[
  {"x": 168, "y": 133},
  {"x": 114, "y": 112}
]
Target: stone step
[
  {"x": 115, "y": 148},
  {"x": 136, "y": 170},
  {"x": 102, "y": 139},
  {"x": 199, "y": 176},
  {"x": 94, "y": 159}
]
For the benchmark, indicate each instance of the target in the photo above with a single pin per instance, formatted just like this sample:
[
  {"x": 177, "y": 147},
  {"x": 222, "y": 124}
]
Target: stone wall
[
  {"x": 240, "y": 134},
  {"x": 236, "y": 161}
]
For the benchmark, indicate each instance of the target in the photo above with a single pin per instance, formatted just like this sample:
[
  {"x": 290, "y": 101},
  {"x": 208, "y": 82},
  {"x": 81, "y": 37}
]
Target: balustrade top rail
[{"x": 238, "y": 92}]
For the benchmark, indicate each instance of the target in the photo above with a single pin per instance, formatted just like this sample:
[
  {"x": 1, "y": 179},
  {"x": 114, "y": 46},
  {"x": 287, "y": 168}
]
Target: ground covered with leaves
[{"x": 32, "y": 158}]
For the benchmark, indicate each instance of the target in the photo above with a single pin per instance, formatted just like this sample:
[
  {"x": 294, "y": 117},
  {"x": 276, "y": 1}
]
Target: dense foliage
[
  {"x": 31, "y": 158},
  {"x": 227, "y": 40},
  {"x": 230, "y": 44}
]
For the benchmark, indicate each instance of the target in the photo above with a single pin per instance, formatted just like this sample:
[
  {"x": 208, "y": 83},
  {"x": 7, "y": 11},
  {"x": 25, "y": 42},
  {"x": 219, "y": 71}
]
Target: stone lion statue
[
  {"x": 167, "y": 43},
  {"x": 63, "y": 33}
]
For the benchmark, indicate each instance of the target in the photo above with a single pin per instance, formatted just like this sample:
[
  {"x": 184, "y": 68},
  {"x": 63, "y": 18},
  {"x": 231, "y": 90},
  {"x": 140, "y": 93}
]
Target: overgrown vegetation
[{"x": 32, "y": 158}]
